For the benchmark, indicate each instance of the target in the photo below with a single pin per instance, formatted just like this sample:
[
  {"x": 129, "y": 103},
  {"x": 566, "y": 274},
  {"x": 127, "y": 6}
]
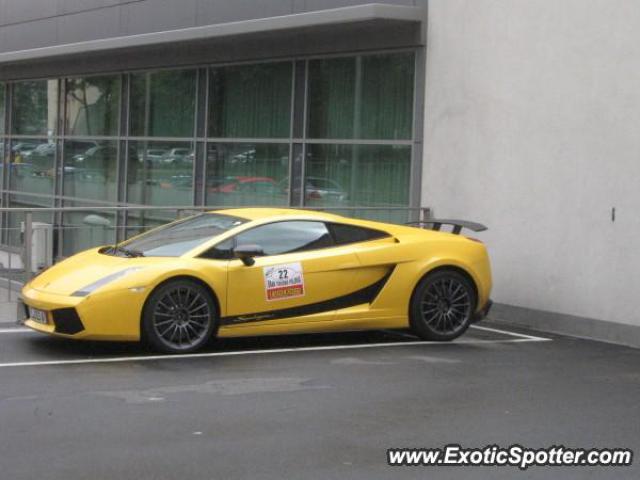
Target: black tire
[
  {"x": 442, "y": 305},
  {"x": 179, "y": 317}
]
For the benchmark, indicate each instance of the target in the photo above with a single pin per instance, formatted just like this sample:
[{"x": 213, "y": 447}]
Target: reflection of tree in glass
[
  {"x": 31, "y": 107},
  {"x": 92, "y": 105}
]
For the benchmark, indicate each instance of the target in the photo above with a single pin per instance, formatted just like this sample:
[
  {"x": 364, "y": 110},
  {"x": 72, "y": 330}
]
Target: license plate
[{"x": 36, "y": 315}]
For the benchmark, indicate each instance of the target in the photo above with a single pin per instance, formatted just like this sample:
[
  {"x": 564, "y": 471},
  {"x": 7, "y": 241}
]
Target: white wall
[{"x": 533, "y": 127}]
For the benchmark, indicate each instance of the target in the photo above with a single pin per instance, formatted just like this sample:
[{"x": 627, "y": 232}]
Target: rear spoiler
[{"x": 458, "y": 225}]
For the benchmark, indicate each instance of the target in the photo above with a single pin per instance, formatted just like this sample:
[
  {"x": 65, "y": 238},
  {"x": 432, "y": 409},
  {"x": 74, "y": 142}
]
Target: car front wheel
[
  {"x": 442, "y": 306},
  {"x": 179, "y": 317}
]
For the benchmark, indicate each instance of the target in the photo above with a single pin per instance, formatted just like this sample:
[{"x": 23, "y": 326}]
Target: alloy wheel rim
[
  {"x": 446, "y": 305},
  {"x": 181, "y": 318}
]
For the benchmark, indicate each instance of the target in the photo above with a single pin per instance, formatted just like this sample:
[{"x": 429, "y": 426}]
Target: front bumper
[
  {"x": 112, "y": 315},
  {"x": 61, "y": 321},
  {"x": 483, "y": 312}
]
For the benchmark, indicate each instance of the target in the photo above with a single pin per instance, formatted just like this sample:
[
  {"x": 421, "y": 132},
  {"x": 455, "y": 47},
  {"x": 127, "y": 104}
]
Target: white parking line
[
  {"x": 147, "y": 358},
  {"x": 15, "y": 330},
  {"x": 392, "y": 332},
  {"x": 505, "y": 332},
  {"x": 486, "y": 329}
]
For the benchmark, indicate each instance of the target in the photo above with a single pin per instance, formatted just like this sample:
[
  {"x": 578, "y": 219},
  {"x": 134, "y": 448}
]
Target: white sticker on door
[{"x": 283, "y": 281}]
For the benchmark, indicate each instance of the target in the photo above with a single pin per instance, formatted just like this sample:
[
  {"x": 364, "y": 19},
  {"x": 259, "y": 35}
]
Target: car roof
[
  {"x": 260, "y": 213},
  {"x": 266, "y": 214}
]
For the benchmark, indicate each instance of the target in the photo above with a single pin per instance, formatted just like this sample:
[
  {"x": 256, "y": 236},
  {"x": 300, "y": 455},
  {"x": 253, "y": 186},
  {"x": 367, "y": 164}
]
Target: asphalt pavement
[{"x": 309, "y": 406}]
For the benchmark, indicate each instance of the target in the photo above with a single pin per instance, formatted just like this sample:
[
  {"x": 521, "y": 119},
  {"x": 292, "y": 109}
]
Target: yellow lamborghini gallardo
[{"x": 265, "y": 271}]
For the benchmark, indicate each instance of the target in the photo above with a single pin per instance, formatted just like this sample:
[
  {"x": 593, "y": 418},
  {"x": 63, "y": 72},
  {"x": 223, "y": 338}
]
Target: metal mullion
[
  {"x": 195, "y": 134},
  {"x": 145, "y": 143},
  {"x": 102, "y": 138},
  {"x": 122, "y": 157},
  {"x": 248, "y": 140},
  {"x": 305, "y": 126},
  {"x": 199, "y": 132},
  {"x": 164, "y": 139},
  {"x": 292, "y": 116},
  {"x": 58, "y": 163},
  {"x": 293, "y": 99},
  {"x": 63, "y": 197},
  {"x": 417, "y": 147},
  {"x": 205, "y": 143},
  {"x": 6, "y": 160},
  {"x": 30, "y": 137},
  {"x": 357, "y": 141}
]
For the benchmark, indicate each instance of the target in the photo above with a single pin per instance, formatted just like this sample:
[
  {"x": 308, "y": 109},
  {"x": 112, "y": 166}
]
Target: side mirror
[{"x": 247, "y": 252}]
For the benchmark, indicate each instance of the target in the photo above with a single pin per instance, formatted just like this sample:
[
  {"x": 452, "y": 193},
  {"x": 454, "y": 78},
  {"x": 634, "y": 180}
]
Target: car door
[{"x": 301, "y": 276}]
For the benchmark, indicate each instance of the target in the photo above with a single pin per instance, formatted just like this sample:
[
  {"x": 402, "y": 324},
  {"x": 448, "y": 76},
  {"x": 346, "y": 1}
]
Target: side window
[
  {"x": 287, "y": 237},
  {"x": 221, "y": 251},
  {"x": 344, "y": 234}
]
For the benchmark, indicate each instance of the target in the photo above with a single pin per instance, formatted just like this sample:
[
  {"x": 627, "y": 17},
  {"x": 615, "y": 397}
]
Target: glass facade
[
  {"x": 2, "y": 113},
  {"x": 35, "y": 108},
  {"x": 364, "y": 97},
  {"x": 357, "y": 175},
  {"x": 93, "y": 106},
  {"x": 333, "y": 132},
  {"x": 250, "y": 101},
  {"x": 163, "y": 104},
  {"x": 247, "y": 174}
]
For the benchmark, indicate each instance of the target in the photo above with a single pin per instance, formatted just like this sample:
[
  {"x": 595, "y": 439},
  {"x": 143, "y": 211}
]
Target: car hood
[{"x": 80, "y": 271}]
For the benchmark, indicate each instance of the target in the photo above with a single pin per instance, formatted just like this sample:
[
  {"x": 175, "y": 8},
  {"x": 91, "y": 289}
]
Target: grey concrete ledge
[
  {"x": 319, "y": 18},
  {"x": 574, "y": 326}
]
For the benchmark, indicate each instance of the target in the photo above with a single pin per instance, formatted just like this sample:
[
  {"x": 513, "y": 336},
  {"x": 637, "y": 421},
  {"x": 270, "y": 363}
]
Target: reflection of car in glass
[
  {"x": 263, "y": 271},
  {"x": 42, "y": 150},
  {"x": 154, "y": 155},
  {"x": 244, "y": 157},
  {"x": 318, "y": 188},
  {"x": 95, "y": 155},
  {"x": 23, "y": 147},
  {"x": 245, "y": 184},
  {"x": 40, "y": 159},
  {"x": 323, "y": 189},
  {"x": 177, "y": 155},
  {"x": 213, "y": 183},
  {"x": 258, "y": 185},
  {"x": 177, "y": 181}
]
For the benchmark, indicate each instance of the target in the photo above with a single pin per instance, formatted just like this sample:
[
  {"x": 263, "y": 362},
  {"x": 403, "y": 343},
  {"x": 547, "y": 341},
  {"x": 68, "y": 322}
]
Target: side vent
[{"x": 67, "y": 321}]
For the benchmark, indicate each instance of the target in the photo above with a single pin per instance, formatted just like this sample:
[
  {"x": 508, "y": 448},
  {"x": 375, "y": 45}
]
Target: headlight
[{"x": 83, "y": 292}]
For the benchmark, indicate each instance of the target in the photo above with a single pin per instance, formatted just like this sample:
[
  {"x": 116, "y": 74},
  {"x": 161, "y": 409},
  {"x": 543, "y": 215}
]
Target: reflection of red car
[{"x": 233, "y": 184}]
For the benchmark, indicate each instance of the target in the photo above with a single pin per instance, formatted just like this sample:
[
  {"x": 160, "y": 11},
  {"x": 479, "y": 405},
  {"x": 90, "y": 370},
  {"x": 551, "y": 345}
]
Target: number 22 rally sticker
[{"x": 283, "y": 281}]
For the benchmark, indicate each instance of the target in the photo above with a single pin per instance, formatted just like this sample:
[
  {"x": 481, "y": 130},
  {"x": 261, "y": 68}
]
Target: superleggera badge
[{"x": 283, "y": 281}]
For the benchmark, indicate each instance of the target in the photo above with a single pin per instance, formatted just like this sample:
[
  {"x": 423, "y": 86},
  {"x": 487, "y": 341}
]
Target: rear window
[{"x": 344, "y": 234}]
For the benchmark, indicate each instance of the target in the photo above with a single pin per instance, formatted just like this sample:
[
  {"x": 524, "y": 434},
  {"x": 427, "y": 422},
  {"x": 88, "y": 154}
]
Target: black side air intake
[{"x": 67, "y": 321}]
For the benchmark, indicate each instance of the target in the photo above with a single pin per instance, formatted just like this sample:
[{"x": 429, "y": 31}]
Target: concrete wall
[
  {"x": 26, "y": 24},
  {"x": 533, "y": 127}
]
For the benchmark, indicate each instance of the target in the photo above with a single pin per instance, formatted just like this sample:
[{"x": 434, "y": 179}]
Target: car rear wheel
[
  {"x": 442, "y": 306},
  {"x": 179, "y": 317}
]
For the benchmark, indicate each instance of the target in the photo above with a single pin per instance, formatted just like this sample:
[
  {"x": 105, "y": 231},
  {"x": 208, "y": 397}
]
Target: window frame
[
  {"x": 326, "y": 223},
  {"x": 382, "y": 233}
]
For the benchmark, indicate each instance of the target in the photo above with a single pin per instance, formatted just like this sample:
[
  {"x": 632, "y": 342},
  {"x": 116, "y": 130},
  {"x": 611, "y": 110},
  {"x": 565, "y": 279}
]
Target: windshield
[{"x": 178, "y": 238}]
